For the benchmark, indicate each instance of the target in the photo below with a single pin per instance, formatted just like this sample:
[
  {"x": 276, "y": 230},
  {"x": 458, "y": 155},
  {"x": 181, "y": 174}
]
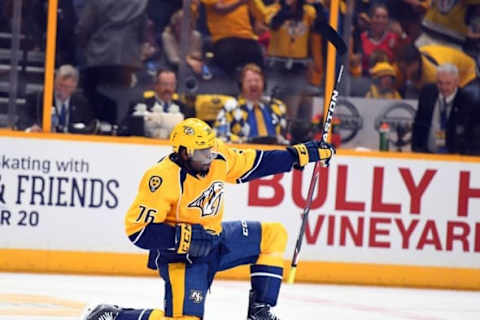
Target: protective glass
[{"x": 203, "y": 155}]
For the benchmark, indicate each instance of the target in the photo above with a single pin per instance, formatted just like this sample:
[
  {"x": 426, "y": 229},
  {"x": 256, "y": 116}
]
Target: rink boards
[{"x": 377, "y": 218}]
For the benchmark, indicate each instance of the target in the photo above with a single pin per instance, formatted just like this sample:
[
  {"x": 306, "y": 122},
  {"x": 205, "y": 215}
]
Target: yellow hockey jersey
[
  {"x": 237, "y": 22},
  {"x": 434, "y": 55},
  {"x": 448, "y": 18},
  {"x": 168, "y": 194},
  {"x": 291, "y": 40}
]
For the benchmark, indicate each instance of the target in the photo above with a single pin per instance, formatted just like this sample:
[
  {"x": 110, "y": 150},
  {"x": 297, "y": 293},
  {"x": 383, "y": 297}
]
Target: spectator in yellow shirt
[
  {"x": 445, "y": 23},
  {"x": 234, "y": 41},
  {"x": 419, "y": 66},
  {"x": 294, "y": 52}
]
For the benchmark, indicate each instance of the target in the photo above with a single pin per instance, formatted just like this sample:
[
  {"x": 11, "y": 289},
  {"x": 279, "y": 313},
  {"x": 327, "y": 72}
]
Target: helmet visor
[{"x": 203, "y": 156}]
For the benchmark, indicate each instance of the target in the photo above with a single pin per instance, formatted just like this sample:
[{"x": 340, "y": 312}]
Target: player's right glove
[
  {"x": 194, "y": 240},
  {"x": 312, "y": 151}
]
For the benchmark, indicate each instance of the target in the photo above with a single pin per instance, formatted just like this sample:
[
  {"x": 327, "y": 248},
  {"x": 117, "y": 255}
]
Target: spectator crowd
[{"x": 252, "y": 68}]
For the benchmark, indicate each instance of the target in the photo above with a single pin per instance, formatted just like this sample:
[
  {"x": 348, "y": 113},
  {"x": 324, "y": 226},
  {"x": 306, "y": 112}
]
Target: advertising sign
[{"x": 404, "y": 210}]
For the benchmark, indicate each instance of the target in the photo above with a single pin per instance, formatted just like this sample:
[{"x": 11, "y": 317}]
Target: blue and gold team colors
[
  {"x": 177, "y": 215},
  {"x": 169, "y": 194}
]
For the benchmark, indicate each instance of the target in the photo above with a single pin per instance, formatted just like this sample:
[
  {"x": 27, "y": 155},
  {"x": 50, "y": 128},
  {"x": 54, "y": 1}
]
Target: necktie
[
  {"x": 442, "y": 134},
  {"x": 63, "y": 115},
  {"x": 443, "y": 113},
  {"x": 261, "y": 128}
]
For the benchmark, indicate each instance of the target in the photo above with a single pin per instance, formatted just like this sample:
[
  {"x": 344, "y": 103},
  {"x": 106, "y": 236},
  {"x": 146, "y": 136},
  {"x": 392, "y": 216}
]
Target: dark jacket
[
  {"x": 80, "y": 111},
  {"x": 112, "y": 31},
  {"x": 134, "y": 126},
  {"x": 459, "y": 126}
]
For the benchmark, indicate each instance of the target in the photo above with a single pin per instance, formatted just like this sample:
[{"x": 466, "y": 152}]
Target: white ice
[{"x": 228, "y": 299}]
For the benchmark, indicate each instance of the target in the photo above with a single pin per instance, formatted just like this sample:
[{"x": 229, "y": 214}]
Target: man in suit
[
  {"x": 443, "y": 119},
  {"x": 161, "y": 104},
  {"x": 71, "y": 112}
]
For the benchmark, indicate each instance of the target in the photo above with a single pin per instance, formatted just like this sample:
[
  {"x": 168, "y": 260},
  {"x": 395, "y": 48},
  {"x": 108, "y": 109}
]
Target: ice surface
[{"x": 61, "y": 297}]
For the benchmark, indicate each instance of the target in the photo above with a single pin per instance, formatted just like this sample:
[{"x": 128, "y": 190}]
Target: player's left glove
[
  {"x": 312, "y": 151},
  {"x": 194, "y": 240}
]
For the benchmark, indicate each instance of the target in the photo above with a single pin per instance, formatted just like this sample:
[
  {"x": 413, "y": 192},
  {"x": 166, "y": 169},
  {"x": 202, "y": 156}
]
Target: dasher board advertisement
[{"x": 67, "y": 194}]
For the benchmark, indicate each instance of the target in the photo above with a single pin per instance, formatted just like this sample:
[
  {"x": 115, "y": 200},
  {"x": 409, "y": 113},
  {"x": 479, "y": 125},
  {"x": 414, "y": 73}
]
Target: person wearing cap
[
  {"x": 383, "y": 85},
  {"x": 177, "y": 215}
]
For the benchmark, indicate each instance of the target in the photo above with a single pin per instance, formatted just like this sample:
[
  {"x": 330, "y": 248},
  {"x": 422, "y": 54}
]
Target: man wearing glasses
[{"x": 71, "y": 111}]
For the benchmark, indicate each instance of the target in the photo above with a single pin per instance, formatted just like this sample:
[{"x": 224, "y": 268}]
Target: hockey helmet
[{"x": 193, "y": 134}]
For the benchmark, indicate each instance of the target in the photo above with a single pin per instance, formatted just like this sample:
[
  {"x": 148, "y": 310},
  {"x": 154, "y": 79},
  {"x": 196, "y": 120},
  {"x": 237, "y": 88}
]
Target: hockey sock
[
  {"x": 140, "y": 314},
  {"x": 266, "y": 281}
]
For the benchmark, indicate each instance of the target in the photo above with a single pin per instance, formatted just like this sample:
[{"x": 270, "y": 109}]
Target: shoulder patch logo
[
  {"x": 209, "y": 200},
  {"x": 154, "y": 183}
]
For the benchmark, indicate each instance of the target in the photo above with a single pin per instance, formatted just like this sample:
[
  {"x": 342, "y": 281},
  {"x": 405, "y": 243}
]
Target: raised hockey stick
[
  {"x": 313, "y": 181},
  {"x": 332, "y": 36}
]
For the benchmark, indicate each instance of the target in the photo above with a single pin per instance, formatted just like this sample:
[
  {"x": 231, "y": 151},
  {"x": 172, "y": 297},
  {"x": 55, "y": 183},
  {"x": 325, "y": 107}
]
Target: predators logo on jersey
[
  {"x": 210, "y": 200},
  {"x": 154, "y": 183}
]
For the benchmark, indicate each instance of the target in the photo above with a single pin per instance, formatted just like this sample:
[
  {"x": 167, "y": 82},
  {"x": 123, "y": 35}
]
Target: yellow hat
[{"x": 382, "y": 69}]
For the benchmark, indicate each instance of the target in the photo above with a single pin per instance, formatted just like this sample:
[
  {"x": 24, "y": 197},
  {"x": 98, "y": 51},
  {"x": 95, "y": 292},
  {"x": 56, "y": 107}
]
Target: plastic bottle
[{"x": 384, "y": 144}]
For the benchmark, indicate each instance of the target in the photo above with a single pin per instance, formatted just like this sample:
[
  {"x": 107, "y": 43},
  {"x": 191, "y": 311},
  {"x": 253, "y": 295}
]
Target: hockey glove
[
  {"x": 194, "y": 240},
  {"x": 312, "y": 151}
]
